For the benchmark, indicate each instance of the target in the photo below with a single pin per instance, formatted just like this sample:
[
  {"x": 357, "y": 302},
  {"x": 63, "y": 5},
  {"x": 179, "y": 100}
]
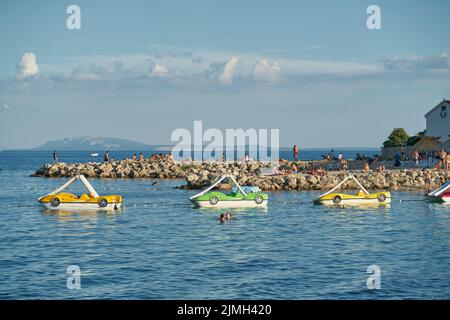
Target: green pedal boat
[{"x": 239, "y": 197}]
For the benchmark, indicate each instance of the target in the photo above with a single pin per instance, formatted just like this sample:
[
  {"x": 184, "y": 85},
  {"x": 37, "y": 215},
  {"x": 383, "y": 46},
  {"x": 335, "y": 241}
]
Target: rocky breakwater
[
  {"x": 200, "y": 175},
  {"x": 406, "y": 179},
  {"x": 114, "y": 169}
]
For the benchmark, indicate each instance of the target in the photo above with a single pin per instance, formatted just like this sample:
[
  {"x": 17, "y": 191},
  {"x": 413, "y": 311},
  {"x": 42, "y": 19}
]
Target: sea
[{"x": 160, "y": 247}]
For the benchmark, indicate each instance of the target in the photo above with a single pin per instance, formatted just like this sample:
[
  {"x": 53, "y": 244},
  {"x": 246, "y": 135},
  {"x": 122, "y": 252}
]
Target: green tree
[{"x": 397, "y": 138}]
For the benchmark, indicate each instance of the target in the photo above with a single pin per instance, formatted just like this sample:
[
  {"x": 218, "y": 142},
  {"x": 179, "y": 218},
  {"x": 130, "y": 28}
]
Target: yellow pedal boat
[
  {"x": 58, "y": 200},
  {"x": 361, "y": 197}
]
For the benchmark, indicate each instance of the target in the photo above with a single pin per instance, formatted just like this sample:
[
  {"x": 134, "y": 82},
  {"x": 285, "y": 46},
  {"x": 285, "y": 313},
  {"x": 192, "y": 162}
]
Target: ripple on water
[{"x": 159, "y": 247}]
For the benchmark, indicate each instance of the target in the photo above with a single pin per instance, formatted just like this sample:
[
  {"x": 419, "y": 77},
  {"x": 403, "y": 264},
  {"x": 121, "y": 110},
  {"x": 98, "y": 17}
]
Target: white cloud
[
  {"x": 6, "y": 106},
  {"x": 158, "y": 70},
  {"x": 196, "y": 66},
  {"x": 229, "y": 71},
  {"x": 418, "y": 62},
  {"x": 301, "y": 67},
  {"x": 27, "y": 66},
  {"x": 265, "y": 71}
]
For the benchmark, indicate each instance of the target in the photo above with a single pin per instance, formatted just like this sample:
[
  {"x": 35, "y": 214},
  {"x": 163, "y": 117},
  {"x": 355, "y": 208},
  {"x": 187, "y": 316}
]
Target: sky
[{"x": 141, "y": 69}]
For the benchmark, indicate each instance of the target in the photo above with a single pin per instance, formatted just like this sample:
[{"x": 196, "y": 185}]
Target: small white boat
[
  {"x": 58, "y": 200},
  {"x": 94, "y": 154},
  {"x": 440, "y": 194}
]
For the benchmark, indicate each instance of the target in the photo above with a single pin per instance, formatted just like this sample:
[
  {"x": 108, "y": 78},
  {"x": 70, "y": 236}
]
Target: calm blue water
[{"x": 159, "y": 247}]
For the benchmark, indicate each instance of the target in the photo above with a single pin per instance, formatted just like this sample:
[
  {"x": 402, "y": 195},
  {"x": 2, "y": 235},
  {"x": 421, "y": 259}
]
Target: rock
[{"x": 311, "y": 179}]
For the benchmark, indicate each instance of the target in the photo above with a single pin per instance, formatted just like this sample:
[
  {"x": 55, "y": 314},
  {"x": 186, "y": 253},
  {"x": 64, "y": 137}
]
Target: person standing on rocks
[
  {"x": 427, "y": 182},
  {"x": 397, "y": 161},
  {"x": 344, "y": 164},
  {"x": 106, "y": 156},
  {"x": 443, "y": 159},
  {"x": 416, "y": 157},
  {"x": 55, "y": 157},
  {"x": 295, "y": 151}
]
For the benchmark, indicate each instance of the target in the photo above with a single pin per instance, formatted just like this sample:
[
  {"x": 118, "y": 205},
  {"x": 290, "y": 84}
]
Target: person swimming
[{"x": 225, "y": 217}]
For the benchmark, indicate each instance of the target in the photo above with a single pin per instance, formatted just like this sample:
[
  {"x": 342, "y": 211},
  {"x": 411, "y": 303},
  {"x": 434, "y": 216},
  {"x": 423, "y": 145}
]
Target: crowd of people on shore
[
  {"x": 440, "y": 161},
  {"x": 141, "y": 157}
]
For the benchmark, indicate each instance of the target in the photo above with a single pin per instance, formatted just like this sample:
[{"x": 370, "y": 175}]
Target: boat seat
[{"x": 85, "y": 196}]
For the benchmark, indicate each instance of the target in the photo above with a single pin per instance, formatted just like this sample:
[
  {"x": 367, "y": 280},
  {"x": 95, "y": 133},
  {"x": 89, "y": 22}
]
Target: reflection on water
[{"x": 80, "y": 213}]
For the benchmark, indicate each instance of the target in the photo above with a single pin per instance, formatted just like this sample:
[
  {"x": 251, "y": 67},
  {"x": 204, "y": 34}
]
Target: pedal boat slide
[{"x": 440, "y": 194}]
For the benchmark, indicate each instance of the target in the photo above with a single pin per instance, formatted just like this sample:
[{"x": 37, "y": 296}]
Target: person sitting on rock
[
  {"x": 366, "y": 167},
  {"x": 141, "y": 157},
  {"x": 275, "y": 171},
  {"x": 293, "y": 168}
]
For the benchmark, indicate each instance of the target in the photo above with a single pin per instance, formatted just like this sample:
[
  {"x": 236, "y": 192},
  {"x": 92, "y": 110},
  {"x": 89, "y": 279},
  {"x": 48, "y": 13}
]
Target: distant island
[{"x": 88, "y": 143}]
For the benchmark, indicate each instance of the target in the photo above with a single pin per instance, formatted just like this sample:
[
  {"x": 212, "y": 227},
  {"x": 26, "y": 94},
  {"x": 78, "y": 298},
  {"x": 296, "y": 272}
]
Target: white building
[{"x": 438, "y": 121}]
